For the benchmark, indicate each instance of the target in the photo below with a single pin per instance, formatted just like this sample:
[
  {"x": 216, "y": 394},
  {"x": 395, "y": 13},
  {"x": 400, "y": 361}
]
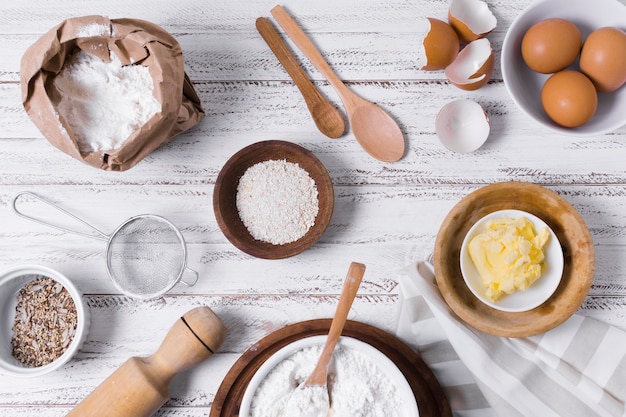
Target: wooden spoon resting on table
[
  {"x": 373, "y": 128},
  {"x": 311, "y": 398},
  {"x": 327, "y": 118}
]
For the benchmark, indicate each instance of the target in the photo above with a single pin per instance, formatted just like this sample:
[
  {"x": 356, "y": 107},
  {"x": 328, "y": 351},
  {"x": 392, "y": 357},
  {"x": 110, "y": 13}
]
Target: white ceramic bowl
[
  {"x": 539, "y": 291},
  {"x": 11, "y": 281},
  {"x": 385, "y": 364},
  {"x": 524, "y": 85}
]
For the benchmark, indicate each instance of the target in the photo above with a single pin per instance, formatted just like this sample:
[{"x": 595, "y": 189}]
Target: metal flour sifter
[{"x": 145, "y": 256}]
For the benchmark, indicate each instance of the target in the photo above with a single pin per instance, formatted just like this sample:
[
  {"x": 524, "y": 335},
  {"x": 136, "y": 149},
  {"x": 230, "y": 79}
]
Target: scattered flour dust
[
  {"x": 103, "y": 103},
  {"x": 357, "y": 387},
  {"x": 277, "y": 201}
]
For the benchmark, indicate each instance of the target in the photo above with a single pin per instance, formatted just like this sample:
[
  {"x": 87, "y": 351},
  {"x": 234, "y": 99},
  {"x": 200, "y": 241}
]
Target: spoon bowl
[
  {"x": 326, "y": 117},
  {"x": 375, "y": 130},
  {"x": 372, "y": 126}
]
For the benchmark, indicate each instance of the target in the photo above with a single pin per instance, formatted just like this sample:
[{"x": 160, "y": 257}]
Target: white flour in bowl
[
  {"x": 103, "y": 103},
  {"x": 277, "y": 201},
  {"x": 356, "y": 385}
]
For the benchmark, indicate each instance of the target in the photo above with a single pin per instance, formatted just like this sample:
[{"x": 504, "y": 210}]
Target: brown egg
[
  {"x": 441, "y": 45},
  {"x": 551, "y": 45},
  {"x": 603, "y": 58},
  {"x": 569, "y": 98}
]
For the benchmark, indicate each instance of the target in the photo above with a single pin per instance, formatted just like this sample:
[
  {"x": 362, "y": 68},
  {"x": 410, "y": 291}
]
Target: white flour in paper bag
[
  {"x": 103, "y": 103},
  {"x": 94, "y": 29}
]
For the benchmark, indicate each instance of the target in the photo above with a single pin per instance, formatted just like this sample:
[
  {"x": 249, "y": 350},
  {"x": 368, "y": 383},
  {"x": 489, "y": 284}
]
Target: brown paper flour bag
[{"x": 133, "y": 42}]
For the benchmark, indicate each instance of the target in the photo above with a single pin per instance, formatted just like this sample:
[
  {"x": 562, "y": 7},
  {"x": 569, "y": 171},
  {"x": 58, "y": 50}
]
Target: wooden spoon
[
  {"x": 327, "y": 118},
  {"x": 373, "y": 128},
  {"x": 348, "y": 293},
  {"x": 311, "y": 398}
]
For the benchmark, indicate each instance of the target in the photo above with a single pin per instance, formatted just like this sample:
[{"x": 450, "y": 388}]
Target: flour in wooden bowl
[
  {"x": 103, "y": 103},
  {"x": 277, "y": 201}
]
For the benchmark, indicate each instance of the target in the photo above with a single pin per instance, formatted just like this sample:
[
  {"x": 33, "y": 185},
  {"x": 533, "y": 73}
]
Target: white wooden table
[{"x": 386, "y": 215}]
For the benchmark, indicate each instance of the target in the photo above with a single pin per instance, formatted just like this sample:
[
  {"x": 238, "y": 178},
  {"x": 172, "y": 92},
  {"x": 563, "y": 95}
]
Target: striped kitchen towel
[{"x": 577, "y": 369}]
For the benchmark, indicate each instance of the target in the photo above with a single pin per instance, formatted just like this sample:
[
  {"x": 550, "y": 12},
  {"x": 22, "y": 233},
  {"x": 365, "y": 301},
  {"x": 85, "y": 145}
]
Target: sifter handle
[{"x": 96, "y": 235}]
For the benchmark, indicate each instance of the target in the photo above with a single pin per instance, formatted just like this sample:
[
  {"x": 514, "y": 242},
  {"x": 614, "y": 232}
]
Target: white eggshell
[
  {"x": 472, "y": 19},
  {"x": 462, "y": 126},
  {"x": 473, "y": 66}
]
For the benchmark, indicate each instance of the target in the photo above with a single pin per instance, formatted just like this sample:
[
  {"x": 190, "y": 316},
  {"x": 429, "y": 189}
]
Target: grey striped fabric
[{"x": 577, "y": 369}]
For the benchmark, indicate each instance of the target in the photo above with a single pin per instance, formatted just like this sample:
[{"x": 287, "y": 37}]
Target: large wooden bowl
[
  {"x": 225, "y": 197},
  {"x": 563, "y": 219},
  {"x": 429, "y": 394}
]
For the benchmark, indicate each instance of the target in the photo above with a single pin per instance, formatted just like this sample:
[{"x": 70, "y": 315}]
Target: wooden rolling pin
[{"x": 140, "y": 386}]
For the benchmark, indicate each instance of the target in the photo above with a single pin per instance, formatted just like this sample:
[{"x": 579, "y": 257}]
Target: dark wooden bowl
[
  {"x": 431, "y": 399},
  {"x": 225, "y": 197},
  {"x": 563, "y": 219}
]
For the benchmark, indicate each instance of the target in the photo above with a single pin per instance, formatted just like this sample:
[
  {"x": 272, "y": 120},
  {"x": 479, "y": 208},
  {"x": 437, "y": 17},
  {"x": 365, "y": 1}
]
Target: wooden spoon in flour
[{"x": 311, "y": 398}]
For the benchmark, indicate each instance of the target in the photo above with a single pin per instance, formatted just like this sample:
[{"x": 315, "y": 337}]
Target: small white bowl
[
  {"x": 539, "y": 291},
  {"x": 11, "y": 282},
  {"x": 462, "y": 126},
  {"x": 524, "y": 85},
  {"x": 386, "y": 365}
]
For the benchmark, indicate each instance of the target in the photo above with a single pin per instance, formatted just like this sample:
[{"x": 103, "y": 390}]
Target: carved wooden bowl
[
  {"x": 429, "y": 394},
  {"x": 225, "y": 197},
  {"x": 563, "y": 219}
]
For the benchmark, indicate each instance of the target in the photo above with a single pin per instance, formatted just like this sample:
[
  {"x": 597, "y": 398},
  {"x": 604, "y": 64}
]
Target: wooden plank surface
[{"x": 386, "y": 215}]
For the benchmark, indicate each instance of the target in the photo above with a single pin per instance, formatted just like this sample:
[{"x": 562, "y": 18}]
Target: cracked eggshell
[
  {"x": 471, "y": 19},
  {"x": 440, "y": 46},
  {"x": 462, "y": 126},
  {"x": 473, "y": 66}
]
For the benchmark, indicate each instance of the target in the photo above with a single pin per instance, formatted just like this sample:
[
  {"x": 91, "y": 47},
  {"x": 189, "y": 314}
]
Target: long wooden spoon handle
[
  {"x": 326, "y": 117},
  {"x": 350, "y": 288},
  {"x": 307, "y": 47}
]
